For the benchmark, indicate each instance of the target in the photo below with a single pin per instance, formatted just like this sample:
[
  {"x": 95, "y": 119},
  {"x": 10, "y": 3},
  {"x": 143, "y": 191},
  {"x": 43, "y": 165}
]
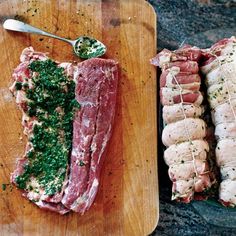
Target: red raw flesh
[
  {"x": 182, "y": 78},
  {"x": 96, "y": 92},
  {"x": 224, "y": 203},
  {"x": 188, "y": 98}
]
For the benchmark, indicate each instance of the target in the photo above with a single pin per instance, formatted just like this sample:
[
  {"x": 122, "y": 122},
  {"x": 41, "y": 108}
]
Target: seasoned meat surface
[
  {"x": 219, "y": 67},
  {"x": 185, "y": 131},
  {"x": 67, "y": 116}
]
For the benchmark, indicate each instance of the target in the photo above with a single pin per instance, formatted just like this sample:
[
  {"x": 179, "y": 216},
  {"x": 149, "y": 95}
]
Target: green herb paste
[{"x": 52, "y": 101}]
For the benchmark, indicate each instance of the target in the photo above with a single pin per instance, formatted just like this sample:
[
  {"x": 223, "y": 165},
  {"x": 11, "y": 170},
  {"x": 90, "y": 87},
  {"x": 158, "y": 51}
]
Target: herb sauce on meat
[{"x": 52, "y": 100}]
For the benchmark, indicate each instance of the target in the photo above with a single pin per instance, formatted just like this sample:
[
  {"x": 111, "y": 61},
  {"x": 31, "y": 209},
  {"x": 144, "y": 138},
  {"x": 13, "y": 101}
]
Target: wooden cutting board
[{"x": 127, "y": 201}]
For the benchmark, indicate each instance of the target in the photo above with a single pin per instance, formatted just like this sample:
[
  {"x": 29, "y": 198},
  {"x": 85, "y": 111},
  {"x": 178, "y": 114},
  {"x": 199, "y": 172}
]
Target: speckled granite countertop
[{"x": 200, "y": 22}]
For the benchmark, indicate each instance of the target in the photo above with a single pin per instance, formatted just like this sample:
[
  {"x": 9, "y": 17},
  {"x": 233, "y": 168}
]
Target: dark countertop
[{"x": 199, "y": 22}]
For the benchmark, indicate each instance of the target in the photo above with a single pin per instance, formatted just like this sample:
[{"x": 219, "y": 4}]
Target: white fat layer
[
  {"x": 219, "y": 93},
  {"x": 215, "y": 76},
  {"x": 174, "y": 133},
  {"x": 175, "y": 112},
  {"x": 227, "y": 191},
  {"x": 183, "y": 152},
  {"x": 221, "y": 77},
  {"x": 104, "y": 143},
  {"x": 86, "y": 122},
  {"x": 223, "y": 112},
  {"x": 164, "y": 59},
  {"x": 225, "y": 152},
  {"x": 87, "y": 103}
]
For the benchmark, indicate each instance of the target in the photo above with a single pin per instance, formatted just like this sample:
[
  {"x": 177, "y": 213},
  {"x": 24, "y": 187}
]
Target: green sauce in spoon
[{"x": 84, "y": 46}]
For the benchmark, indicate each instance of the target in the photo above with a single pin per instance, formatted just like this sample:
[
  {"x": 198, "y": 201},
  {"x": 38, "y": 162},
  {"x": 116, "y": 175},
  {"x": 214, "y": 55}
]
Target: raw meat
[
  {"x": 183, "y": 130},
  {"x": 182, "y": 152},
  {"x": 185, "y": 80},
  {"x": 96, "y": 87},
  {"x": 23, "y": 75},
  {"x": 219, "y": 67},
  {"x": 175, "y": 112},
  {"x": 96, "y": 92},
  {"x": 184, "y": 133},
  {"x": 170, "y": 96}
]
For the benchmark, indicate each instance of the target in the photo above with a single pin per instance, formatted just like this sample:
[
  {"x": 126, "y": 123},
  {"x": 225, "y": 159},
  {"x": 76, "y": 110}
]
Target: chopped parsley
[
  {"x": 18, "y": 85},
  {"x": 81, "y": 163},
  {"x": 52, "y": 101}
]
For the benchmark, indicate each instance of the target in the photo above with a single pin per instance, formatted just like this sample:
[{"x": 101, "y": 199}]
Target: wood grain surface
[{"x": 127, "y": 201}]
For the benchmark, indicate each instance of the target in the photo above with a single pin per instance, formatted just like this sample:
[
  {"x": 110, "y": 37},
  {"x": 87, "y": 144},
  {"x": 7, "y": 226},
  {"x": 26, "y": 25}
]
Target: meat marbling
[
  {"x": 96, "y": 88},
  {"x": 96, "y": 92}
]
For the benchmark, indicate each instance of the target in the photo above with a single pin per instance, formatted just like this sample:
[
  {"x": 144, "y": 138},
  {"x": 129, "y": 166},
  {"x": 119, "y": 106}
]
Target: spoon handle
[{"x": 19, "y": 26}]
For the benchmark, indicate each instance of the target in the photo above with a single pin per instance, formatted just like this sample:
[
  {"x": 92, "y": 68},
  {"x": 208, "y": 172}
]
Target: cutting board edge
[{"x": 155, "y": 223}]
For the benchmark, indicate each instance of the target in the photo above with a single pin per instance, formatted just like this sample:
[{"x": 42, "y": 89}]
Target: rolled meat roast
[
  {"x": 219, "y": 68},
  {"x": 184, "y": 132}
]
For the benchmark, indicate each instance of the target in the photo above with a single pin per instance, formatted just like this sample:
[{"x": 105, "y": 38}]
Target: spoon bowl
[{"x": 84, "y": 47}]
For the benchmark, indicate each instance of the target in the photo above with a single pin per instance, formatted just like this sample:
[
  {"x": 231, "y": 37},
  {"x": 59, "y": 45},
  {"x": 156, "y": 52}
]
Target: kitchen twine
[
  {"x": 185, "y": 127},
  {"x": 222, "y": 72}
]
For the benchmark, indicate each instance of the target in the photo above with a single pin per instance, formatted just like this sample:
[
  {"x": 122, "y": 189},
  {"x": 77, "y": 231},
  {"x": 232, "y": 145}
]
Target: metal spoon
[{"x": 84, "y": 47}]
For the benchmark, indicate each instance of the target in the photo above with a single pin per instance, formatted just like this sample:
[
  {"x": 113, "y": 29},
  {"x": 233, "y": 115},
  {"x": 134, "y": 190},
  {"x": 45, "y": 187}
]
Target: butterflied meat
[
  {"x": 220, "y": 70},
  {"x": 55, "y": 207},
  {"x": 68, "y": 113},
  {"x": 184, "y": 131},
  {"x": 41, "y": 186},
  {"x": 96, "y": 93}
]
